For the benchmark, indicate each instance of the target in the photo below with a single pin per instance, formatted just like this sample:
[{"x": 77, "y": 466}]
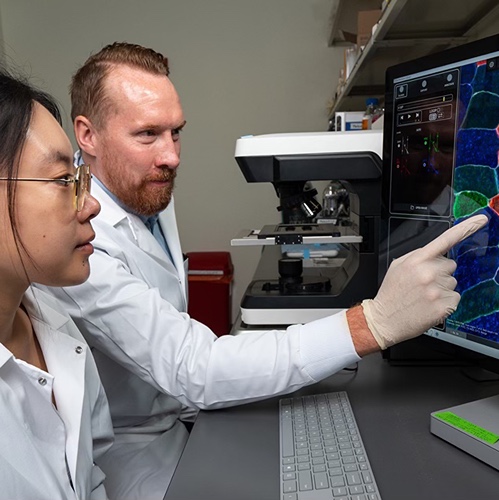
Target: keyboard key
[
  {"x": 366, "y": 476},
  {"x": 355, "y": 490},
  {"x": 354, "y": 478},
  {"x": 289, "y": 486},
  {"x": 305, "y": 481},
  {"x": 336, "y": 472},
  {"x": 339, "y": 492},
  {"x": 320, "y": 481},
  {"x": 287, "y": 438},
  {"x": 337, "y": 481}
]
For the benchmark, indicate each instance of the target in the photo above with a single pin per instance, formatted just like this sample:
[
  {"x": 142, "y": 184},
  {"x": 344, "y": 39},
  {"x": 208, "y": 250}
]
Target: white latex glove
[{"x": 418, "y": 290}]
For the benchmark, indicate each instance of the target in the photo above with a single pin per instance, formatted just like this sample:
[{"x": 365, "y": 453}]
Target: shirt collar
[
  {"x": 41, "y": 309},
  {"x": 5, "y": 355}
]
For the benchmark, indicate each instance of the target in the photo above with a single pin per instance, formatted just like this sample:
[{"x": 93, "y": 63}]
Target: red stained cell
[{"x": 494, "y": 203}]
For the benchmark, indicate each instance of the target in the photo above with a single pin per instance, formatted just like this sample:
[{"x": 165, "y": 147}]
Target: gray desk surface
[{"x": 233, "y": 453}]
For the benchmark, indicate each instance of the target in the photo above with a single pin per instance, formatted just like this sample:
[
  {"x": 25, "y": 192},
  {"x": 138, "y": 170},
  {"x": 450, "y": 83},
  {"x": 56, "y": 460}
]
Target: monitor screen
[{"x": 440, "y": 166}]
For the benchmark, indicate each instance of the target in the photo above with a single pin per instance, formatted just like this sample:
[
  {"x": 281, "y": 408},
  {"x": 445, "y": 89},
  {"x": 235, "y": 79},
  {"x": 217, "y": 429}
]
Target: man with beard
[{"x": 154, "y": 360}]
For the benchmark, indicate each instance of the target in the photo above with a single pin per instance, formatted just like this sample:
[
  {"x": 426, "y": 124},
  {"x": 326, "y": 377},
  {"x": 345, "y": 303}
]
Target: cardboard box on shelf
[{"x": 366, "y": 19}]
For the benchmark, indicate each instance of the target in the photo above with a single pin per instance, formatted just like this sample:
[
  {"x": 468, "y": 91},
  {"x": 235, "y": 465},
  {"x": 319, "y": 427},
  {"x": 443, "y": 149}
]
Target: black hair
[{"x": 17, "y": 101}]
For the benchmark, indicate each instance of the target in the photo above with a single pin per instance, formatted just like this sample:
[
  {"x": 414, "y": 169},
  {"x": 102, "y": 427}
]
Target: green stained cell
[
  {"x": 479, "y": 300},
  {"x": 482, "y": 179},
  {"x": 468, "y": 202},
  {"x": 483, "y": 111}
]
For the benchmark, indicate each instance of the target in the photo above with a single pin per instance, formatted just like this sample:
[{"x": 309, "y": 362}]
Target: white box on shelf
[{"x": 348, "y": 120}]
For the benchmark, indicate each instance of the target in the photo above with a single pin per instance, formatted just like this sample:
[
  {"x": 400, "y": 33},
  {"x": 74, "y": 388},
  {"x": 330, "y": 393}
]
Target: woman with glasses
[{"x": 54, "y": 417}]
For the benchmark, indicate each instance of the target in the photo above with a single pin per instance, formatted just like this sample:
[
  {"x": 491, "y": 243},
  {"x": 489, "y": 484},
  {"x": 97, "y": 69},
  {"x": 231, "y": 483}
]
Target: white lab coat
[
  {"x": 153, "y": 358},
  {"x": 36, "y": 439}
]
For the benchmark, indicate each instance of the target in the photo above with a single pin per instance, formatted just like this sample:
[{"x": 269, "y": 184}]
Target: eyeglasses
[{"x": 81, "y": 183}]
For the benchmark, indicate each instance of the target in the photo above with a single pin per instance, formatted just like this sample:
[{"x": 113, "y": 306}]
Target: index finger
[{"x": 453, "y": 235}]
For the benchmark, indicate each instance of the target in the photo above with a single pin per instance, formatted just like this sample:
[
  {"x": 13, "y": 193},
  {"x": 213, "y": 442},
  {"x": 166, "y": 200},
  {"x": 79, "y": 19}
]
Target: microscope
[{"x": 320, "y": 258}]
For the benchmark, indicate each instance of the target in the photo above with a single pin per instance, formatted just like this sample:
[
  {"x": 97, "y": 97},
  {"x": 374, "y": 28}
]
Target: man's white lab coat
[
  {"x": 153, "y": 358},
  {"x": 43, "y": 449}
]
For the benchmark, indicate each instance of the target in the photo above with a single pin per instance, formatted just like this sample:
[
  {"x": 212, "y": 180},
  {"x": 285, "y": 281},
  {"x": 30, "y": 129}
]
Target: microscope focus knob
[{"x": 290, "y": 267}]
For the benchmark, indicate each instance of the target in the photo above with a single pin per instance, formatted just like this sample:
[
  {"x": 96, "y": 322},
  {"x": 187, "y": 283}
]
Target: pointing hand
[{"x": 418, "y": 291}]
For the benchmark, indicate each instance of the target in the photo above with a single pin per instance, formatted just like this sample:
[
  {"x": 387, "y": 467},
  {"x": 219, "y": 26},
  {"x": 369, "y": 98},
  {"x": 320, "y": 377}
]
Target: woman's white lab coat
[{"x": 48, "y": 453}]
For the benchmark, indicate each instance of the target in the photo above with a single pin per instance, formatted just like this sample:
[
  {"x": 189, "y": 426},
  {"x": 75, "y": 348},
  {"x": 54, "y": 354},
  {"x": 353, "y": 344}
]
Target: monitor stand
[{"x": 472, "y": 427}]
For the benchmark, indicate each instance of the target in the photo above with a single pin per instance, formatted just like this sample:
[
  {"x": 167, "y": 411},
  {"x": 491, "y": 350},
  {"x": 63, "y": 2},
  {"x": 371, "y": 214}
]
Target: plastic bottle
[
  {"x": 379, "y": 111},
  {"x": 371, "y": 105}
]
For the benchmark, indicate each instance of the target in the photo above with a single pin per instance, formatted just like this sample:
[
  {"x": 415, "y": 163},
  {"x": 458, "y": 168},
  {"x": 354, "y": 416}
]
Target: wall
[{"x": 241, "y": 67}]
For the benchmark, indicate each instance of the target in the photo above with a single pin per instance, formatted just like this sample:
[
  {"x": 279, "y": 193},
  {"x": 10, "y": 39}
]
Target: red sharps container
[{"x": 210, "y": 289}]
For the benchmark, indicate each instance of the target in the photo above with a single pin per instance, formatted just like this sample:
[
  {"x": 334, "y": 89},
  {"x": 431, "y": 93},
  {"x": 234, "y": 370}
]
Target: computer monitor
[{"x": 440, "y": 166}]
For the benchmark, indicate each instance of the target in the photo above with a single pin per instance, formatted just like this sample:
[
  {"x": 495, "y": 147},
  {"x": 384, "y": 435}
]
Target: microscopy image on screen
[{"x": 476, "y": 189}]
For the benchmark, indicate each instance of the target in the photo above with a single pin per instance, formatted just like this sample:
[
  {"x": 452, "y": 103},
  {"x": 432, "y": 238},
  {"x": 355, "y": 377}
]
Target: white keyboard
[{"x": 321, "y": 451}]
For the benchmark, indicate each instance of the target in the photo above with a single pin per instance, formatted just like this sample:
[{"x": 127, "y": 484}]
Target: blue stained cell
[
  {"x": 477, "y": 147},
  {"x": 468, "y": 73}
]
